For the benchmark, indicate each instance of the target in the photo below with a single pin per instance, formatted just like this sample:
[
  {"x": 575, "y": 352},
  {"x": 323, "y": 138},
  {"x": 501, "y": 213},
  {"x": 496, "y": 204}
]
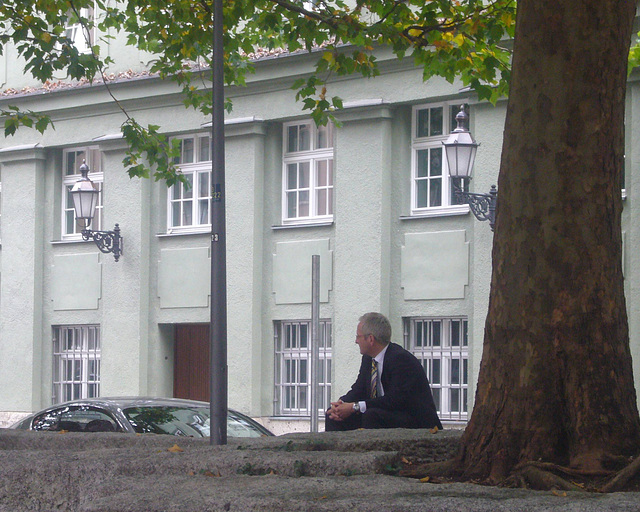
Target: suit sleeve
[{"x": 359, "y": 389}]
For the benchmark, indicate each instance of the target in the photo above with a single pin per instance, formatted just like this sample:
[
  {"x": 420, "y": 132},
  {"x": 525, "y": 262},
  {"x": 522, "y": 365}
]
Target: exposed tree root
[
  {"x": 622, "y": 478},
  {"x": 444, "y": 469},
  {"x": 537, "y": 475},
  {"x": 531, "y": 476},
  {"x": 549, "y": 466}
]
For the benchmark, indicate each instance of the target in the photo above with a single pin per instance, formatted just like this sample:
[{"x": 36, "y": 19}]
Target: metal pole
[
  {"x": 315, "y": 345},
  {"x": 218, "y": 323}
]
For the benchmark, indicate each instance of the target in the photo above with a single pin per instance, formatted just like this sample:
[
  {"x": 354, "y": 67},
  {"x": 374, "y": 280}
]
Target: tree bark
[{"x": 556, "y": 381}]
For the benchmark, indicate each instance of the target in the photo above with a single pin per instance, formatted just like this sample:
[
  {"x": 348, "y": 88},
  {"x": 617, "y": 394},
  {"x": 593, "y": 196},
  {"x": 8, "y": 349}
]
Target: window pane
[
  {"x": 322, "y": 202},
  {"x": 465, "y": 370},
  {"x": 292, "y": 176},
  {"x": 435, "y": 162},
  {"x": 292, "y": 139},
  {"x": 303, "y": 371},
  {"x": 436, "y": 373},
  {"x": 465, "y": 333},
  {"x": 204, "y": 149},
  {"x": 321, "y": 173},
  {"x": 175, "y": 214},
  {"x": 187, "y": 151},
  {"x": 435, "y": 121},
  {"x": 421, "y": 194},
  {"x": 292, "y": 205},
  {"x": 302, "y": 397},
  {"x": 325, "y": 136},
  {"x": 436, "y": 333},
  {"x": 422, "y": 123},
  {"x": 422, "y": 163},
  {"x": 187, "y": 213},
  {"x": 203, "y": 208},
  {"x": 187, "y": 190},
  {"x": 419, "y": 334},
  {"x": 305, "y": 175},
  {"x": 455, "y": 333},
  {"x": 70, "y": 163},
  {"x": 304, "y": 335},
  {"x": 455, "y": 399},
  {"x": 304, "y": 134},
  {"x": 455, "y": 371},
  {"x": 304, "y": 204},
  {"x": 435, "y": 192},
  {"x": 203, "y": 184}
]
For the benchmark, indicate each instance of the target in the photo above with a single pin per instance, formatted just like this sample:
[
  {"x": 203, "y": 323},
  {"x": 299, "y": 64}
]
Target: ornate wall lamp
[
  {"x": 460, "y": 149},
  {"x": 85, "y": 200}
]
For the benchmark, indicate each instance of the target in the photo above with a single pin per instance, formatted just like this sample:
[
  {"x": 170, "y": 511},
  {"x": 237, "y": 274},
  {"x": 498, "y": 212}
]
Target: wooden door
[{"x": 191, "y": 362}]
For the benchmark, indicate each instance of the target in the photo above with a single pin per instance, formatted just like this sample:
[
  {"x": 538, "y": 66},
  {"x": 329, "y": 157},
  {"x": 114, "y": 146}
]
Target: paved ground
[{"x": 336, "y": 472}]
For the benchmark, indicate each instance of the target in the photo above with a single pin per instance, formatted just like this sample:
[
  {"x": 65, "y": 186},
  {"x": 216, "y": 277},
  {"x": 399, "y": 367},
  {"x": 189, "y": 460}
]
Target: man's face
[{"x": 364, "y": 342}]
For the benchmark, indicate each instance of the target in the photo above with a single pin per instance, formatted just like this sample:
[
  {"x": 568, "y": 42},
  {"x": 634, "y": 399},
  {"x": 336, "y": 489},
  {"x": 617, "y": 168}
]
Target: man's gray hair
[{"x": 377, "y": 325}]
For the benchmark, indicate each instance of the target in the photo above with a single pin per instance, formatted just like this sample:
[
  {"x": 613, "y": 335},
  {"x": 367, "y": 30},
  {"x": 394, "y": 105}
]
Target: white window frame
[
  {"x": 76, "y": 33},
  {"x": 428, "y": 142},
  {"x": 75, "y": 157},
  {"x": 76, "y": 362},
  {"x": 445, "y": 359},
  {"x": 292, "y": 394},
  {"x": 317, "y": 155},
  {"x": 191, "y": 205}
]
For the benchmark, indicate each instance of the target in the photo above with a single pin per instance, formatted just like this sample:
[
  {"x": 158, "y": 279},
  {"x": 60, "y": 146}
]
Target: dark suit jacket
[{"x": 406, "y": 387}]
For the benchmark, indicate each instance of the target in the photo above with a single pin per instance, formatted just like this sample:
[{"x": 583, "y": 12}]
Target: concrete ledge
[{"x": 109, "y": 472}]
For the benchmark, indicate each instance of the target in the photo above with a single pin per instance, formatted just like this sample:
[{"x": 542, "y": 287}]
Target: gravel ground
[{"x": 350, "y": 471}]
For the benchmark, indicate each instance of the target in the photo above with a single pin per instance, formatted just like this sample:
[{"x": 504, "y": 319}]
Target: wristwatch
[{"x": 356, "y": 407}]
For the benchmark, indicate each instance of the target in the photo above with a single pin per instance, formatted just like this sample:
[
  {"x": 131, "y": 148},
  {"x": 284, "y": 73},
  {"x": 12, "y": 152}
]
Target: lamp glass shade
[
  {"x": 461, "y": 153},
  {"x": 85, "y": 199}
]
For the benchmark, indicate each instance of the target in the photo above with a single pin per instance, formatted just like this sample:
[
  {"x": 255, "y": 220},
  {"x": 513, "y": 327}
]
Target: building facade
[{"x": 371, "y": 196}]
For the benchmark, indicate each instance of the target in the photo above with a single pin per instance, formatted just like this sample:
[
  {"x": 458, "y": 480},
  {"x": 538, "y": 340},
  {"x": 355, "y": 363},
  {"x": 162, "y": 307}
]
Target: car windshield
[{"x": 190, "y": 421}]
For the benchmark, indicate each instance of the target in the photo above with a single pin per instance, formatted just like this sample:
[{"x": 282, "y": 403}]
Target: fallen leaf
[
  {"x": 563, "y": 494},
  {"x": 175, "y": 449},
  {"x": 425, "y": 479},
  {"x": 191, "y": 473},
  {"x": 404, "y": 459},
  {"x": 434, "y": 430},
  {"x": 63, "y": 432}
]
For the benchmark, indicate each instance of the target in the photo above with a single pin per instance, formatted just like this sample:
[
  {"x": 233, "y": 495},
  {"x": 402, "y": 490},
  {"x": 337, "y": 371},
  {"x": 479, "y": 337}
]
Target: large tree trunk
[{"x": 556, "y": 379}]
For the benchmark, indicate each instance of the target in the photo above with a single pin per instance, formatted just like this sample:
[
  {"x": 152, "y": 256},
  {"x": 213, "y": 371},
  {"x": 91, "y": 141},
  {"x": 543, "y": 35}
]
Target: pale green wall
[{"x": 137, "y": 306}]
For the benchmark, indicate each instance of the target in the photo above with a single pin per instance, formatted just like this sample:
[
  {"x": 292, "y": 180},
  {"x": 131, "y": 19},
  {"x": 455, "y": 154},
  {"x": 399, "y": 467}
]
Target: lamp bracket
[
  {"x": 483, "y": 206},
  {"x": 106, "y": 241}
]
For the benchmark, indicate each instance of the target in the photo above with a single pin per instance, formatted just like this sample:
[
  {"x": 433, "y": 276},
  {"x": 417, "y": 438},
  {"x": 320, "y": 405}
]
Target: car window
[
  {"x": 186, "y": 421},
  {"x": 241, "y": 427},
  {"x": 177, "y": 421},
  {"x": 76, "y": 419}
]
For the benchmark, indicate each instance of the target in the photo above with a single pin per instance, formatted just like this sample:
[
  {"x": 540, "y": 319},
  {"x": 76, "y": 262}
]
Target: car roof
[{"x": 125, "y": 402}]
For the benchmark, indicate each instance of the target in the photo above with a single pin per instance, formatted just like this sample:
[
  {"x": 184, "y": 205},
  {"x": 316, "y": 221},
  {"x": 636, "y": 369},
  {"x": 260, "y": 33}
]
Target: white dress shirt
[{"x": 380, "y": 360}]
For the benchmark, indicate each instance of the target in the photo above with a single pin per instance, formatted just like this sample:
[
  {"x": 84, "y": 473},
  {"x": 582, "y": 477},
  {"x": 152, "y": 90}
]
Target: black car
[{"x": 171, "y": 416}]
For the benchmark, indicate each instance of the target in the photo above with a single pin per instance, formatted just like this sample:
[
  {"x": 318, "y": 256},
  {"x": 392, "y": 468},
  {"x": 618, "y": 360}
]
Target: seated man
[{"x": 391, "y": 391}]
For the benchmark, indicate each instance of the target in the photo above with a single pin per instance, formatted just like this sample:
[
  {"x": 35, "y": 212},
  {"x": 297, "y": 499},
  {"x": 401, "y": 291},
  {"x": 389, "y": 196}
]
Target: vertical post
[
  {"x": 315, "y": 344},
  {"x": 218, "y": 312}
]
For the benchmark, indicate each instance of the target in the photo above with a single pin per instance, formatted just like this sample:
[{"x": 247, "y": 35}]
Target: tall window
[
  {"x": 80, "y": 29},
  {"x": 190, "y": 203},
  {"x": 441, "y": 344},
  {"x": 76, "y": 362},
  {"x": 431, "y": 189},
  {"x": 72, "y": 160},
  {"x": 307, "y": 178},
  {"x": 293, "y": 367}
]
